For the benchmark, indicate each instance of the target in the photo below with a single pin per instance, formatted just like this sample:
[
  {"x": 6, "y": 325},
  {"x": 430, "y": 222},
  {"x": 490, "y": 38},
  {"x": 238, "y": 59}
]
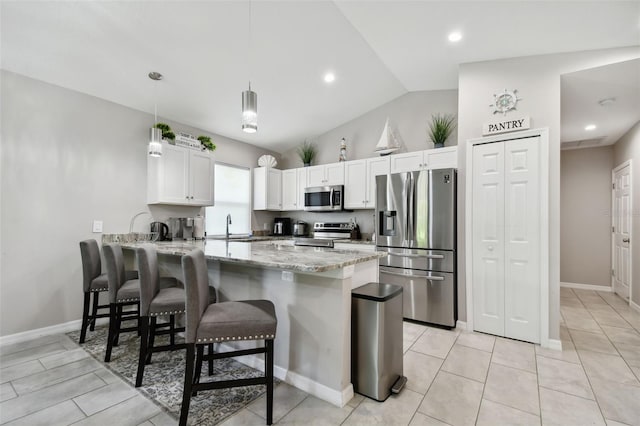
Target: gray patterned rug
[{"x": 163, "y": 378}]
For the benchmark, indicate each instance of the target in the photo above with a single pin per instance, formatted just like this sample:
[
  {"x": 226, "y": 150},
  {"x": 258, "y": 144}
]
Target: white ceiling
[
  {"x": 378, "y": 50},
  {"x": 580, "y": 94}
]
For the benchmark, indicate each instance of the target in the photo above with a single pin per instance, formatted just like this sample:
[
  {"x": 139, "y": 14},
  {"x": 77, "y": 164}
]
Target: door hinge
[
  {"x": 613, "y": 229},
  {"x": 613, "y": 273},
  {"x": 613, "y": 185}
]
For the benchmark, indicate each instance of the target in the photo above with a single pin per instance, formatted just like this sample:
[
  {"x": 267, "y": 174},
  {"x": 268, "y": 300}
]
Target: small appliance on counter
[
  {"x": 334, "y": 230},
  {"x": 198, "y": 227},
  {"x": 181, "y": 228},
  {"x": 161, "y": 230},
  {"x": 282, "y": 226},
  {"x": 300, "y": 229}
]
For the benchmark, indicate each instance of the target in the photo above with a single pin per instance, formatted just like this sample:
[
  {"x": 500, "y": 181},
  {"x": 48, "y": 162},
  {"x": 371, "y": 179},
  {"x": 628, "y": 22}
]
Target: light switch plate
[{"x": 97, "y": 226}]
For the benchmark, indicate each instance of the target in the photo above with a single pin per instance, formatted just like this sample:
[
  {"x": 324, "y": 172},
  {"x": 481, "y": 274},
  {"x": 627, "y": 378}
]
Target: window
[{"x": 232, "y": 196}]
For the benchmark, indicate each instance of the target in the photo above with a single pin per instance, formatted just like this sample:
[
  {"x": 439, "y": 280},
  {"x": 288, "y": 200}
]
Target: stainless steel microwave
[{"x": 324, "y": 198}]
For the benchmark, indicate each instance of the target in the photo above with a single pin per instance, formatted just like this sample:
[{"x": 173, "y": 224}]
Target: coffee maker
[{"x": 282, "y": 226}]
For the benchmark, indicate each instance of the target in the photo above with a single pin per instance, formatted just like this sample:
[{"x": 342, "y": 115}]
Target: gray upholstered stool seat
[
  {"x": 101, "y": 282},
  {"x": 244, "y": 320},
  {"x": 169, "y": 301},
  {"x": 129, "y": 292}
]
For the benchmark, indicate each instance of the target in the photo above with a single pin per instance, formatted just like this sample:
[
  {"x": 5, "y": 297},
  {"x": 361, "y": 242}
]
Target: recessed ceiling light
[
  {"x": 590, "y": 127},
  {"x": 455, "y": 36},
  {"x": 329, "y": 77}
]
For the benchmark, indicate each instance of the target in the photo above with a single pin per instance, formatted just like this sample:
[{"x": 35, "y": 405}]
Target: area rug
[{"x": 164, "y": 377}]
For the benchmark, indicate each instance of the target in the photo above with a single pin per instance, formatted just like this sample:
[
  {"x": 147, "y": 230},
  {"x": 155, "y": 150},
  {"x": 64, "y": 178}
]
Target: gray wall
[
  {"x": 628, "y": 148},
  {"x": 69, "y": 158},
  {"x": 585, "y": 215},
  {"x": 410, "y": 112},
  {"x": 537, "y": 79}
]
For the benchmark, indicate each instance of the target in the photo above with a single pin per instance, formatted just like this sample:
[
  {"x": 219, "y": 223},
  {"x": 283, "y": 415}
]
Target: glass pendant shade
[
  {"x": 249, "y": 111},
  {"x": 155, "y": 145}
]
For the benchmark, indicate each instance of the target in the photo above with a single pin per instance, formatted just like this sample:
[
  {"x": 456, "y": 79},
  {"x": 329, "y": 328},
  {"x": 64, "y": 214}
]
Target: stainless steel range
[
  {"x": 333, "y": 230},
  {"x": 416, "y": 227}
]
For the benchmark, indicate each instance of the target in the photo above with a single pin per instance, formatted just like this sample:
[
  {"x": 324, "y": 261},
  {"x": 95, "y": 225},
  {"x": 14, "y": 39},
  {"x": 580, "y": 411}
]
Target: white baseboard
[
  {"x": 63, "y": 328},
  {"x": 462, "y": 325},
  {"x": 587, "y": 287},
  {"x": 332, "y": 396},
  {"x": 634, "y": 305},
  {"x": 554, "y": 344}
]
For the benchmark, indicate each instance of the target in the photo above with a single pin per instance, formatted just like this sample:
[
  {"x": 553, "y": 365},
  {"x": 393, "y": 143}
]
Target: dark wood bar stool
[
  {"x": 94, "y": 282},
  {"x": 222, "y": 322},
  {"x": 159, "y": 296},
  {"x": 122, "y": 292}
]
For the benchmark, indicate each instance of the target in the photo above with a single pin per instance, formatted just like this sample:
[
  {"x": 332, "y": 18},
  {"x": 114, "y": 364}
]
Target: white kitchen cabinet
[
  {"x": 293, "y": 183},
  {"x": 267, "y": 189},
  {"x": 360, "y": 181},
  {"x": 440, "y": 158},
  {"x": 180, "y": 176},
  {"x": 326, "y": 174}
]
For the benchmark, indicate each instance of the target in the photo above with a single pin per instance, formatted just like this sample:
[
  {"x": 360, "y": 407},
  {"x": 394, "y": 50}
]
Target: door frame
[
  {"x": 613, "y": 243},
  {"x": 543, "y": 133}
]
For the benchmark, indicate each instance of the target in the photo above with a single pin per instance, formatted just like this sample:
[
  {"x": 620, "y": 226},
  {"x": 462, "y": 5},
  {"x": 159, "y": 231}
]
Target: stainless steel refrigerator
[{"x": 416, "y": 227}]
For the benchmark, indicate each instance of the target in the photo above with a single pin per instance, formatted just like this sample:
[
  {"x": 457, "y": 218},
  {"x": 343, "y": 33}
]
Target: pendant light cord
[{"x": 249, "y": 49}]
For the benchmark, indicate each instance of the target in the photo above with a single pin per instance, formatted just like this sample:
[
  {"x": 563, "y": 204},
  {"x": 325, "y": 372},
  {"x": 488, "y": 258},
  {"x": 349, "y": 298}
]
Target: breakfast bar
[{"x": 311, "y": 290}]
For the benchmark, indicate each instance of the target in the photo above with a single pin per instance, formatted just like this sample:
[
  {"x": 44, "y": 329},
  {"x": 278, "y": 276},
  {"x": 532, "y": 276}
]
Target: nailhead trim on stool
[
  {"x": 226, "y": 339},
  {"x": 135, "y": 299},
  {"x": 155, "y": 314}
]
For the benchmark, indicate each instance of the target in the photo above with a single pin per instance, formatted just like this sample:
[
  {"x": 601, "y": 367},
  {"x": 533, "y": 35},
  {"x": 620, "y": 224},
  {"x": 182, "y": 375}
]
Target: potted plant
[
  {"x": 306, "y": 152},
  {"x": 440, "y": 128},
  {"x": 206, "y": 143},
  {"x": 166, "y": 131}
]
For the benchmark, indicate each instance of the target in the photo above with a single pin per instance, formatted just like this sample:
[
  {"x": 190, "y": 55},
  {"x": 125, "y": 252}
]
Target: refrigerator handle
[
  {"x": 410, "y": 224},
  {"x": 405, "y": 203}
]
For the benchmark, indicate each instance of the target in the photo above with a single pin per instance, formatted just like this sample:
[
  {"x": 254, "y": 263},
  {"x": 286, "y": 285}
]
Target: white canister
[{"x": 198, "y": 228}]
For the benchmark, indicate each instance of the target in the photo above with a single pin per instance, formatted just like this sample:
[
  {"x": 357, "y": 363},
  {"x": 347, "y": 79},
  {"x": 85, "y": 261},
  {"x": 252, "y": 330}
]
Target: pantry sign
[{"x": 504, "y": 126}]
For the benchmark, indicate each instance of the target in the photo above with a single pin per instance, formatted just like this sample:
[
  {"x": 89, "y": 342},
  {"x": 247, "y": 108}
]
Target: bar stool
[
  {"x": 93, "y": 283},
  {"x": 122, "y": 292},
  {"x": 222, "y": 322},
  {"x": 158, "y": 296}
]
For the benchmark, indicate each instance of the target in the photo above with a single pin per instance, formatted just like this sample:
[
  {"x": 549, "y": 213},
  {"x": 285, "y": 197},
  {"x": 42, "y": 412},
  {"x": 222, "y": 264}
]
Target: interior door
[
  {"x": 488, "y": 238},
  {"x": 622, "y": 230},
  {"x": 522, "y": 235}
]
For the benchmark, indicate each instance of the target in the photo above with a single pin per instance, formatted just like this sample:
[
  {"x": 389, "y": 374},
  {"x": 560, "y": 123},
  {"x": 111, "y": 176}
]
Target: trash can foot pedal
[{"x": 399, "y": 384}]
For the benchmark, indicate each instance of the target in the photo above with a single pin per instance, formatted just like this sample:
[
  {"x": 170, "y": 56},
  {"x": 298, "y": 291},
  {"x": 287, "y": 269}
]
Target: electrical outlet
[
  {"x": 97, "y": 226},
  {"x": 287, "y": 276}
]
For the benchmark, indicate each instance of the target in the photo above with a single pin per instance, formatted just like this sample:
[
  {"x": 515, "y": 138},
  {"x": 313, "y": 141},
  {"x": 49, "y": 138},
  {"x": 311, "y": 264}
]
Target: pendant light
[
  {"x": 249, "y": 97},
  {"x": 155, "y": 134}
]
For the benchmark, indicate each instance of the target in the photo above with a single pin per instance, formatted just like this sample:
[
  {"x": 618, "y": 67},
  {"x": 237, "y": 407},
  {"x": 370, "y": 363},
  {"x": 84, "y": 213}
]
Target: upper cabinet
[
  {"x": 294, "y": 181},
  {"x": 440, "y": 158},
  {"x": 180, "y": 176},
  {"x": 360, "y": 181},
  {"x": 326, "y": 174},
  {"x": 267, "y": 189}
]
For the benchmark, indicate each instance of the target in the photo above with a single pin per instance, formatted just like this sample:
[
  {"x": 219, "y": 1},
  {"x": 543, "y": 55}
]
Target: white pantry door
[
  {"x": 522, "y": 239},
  {"x": 506, "y": 241},
  {"x": 622, "y": 230},
  {"x": 488, "y": 238}
]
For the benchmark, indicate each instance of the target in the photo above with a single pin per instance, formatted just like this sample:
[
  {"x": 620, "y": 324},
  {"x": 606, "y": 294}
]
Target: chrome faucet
[{"x": 228, "y": 223}]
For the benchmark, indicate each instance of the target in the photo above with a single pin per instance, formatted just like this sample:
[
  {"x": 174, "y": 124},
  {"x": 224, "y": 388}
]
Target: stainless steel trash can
[{"x": 376, "y": 340}]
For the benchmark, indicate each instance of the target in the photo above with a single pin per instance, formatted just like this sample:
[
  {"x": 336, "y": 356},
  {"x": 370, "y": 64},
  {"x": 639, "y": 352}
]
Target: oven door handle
[
  {"x": 428, "y": 277},
  {"x": 428, "y": 256}
]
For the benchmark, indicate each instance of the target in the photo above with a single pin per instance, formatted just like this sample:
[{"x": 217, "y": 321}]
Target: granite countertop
[{"x": 267, "y": 254}]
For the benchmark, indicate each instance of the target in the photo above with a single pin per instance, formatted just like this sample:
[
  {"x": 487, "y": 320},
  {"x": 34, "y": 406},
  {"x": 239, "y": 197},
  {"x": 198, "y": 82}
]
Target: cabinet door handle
[{"x": 625, "y": 240}]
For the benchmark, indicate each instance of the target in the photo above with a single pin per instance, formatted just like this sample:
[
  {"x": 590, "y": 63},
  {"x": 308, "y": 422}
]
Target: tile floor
[{"x": 455, "y": 378}]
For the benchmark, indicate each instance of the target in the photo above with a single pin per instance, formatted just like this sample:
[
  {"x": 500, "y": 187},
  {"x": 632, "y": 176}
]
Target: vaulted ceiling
[{"x": 208, "y": 51}]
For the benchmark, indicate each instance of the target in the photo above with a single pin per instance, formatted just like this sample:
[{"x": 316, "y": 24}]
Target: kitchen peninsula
[{"x": 311, "y": 290}]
